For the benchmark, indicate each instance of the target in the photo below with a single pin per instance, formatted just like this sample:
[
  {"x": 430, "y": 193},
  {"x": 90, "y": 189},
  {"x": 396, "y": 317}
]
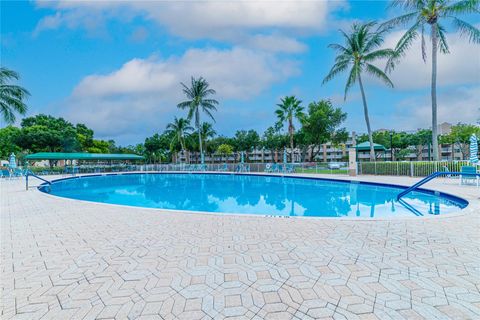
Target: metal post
[{"x": 391, "y": 145}]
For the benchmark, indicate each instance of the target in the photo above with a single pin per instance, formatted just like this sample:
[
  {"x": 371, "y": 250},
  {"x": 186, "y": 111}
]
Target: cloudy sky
[{"x": 117, "y": 66}]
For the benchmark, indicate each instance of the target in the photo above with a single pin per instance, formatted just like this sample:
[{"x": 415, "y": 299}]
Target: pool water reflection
[{"x": 253, "y": 194}]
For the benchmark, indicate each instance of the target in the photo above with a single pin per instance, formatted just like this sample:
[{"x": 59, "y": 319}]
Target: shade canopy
[
  {"x": 365, "y": 146},
  {"x": 82, "y": 156}
]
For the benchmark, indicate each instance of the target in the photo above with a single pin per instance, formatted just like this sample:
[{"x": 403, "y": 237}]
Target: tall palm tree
[
  {"x": 423, "y": 13},
  {"x": 289, "y": 108},
  {"x": 11, "y": 96},
  {"x": 360, "y": 50},
  {"x": 198, "y": 101},
  {"x": 178, "y": 128}
]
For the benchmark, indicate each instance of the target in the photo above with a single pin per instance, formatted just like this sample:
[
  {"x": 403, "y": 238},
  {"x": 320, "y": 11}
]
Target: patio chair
[
  {"x": 445, "y": 169},
  {"x": 224, "y": 167},
  {"x": 5, "y": 174},
  {"x": 268, "y": 167},
  {"x": 17, "y": 173},
  {"x": 289, "y": 168},
  {"x": 468, "y": 177}
]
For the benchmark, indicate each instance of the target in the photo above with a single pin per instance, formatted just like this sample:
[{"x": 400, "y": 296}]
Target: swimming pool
[{"x": 254, "y": 194}]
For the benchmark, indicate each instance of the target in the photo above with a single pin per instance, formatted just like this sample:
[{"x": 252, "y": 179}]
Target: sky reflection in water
[{"x": 251, "y": 195}]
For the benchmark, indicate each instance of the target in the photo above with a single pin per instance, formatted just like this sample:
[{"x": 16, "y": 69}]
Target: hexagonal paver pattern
[{"x": 65, "y": 259}]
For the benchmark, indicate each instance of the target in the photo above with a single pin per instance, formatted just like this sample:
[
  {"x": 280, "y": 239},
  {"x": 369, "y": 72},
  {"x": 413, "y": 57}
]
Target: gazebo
[{"x": 364, "y": 147}]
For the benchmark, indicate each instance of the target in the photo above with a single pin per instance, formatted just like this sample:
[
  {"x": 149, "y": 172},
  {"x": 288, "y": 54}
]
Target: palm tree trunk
[
  {"x": 290, "y": 130},
  {"x": 434, "y": 92},
  {"x": 367, "y": 119},
  {"x": 199, "y": 133}
]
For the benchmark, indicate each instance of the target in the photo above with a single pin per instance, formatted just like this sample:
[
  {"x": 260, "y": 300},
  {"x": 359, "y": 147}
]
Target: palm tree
[
  {"x": 289, "y": 108},
  {"x": 11, "y": 96},
  {"x": 197, "y": 102},
  {"x": 178, "y": 128},
  {"x": 357, "y": 54},
  {"x": 207, "y": 132},
  {"x": 429, "y": 13}
]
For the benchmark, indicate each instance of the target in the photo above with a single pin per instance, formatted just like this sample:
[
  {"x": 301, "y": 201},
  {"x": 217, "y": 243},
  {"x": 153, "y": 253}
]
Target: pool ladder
[
  {"x": 29, "y": 173},
  {"x": 431, "y": 177}
]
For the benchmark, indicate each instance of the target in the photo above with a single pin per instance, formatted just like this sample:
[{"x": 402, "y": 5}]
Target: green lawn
[{"x": 322, "y": 171}]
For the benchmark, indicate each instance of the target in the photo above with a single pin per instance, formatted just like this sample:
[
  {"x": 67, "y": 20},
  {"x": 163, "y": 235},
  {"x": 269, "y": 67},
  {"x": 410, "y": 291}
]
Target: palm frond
[
  {"x": 184, "y": 104},
  {"x": 399, "y": 21},
  {"x": 377, "y": 73},
  {"x": 7, "y": 112},
  {"x": 379, "y": 54},
  {"x": 336, "y": 69},
  {"x": 466, "y": 29},
  {"x": 442, "y": 40},
  {"x": 337, "y": 47},
  {"x": 402, "y": 46},
  {"x": 352, "y": 78},
  {"x": 7, "y": 74},
  {"x": 209, "y": 114},
  {"x": 423, "y": 45},
  {"x": 462, "y": 7}
]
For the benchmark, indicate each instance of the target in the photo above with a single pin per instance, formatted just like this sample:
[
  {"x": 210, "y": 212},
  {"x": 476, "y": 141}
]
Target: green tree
[
  {"x": 273, "y": 140},
  {"x": 198, "y": 101},
  {"x": 321, "y": 124},
  {"x": 460, "y": 137},
  {"x": 357, "y": 55},
  {"x": 432, "y": 13},
  {"x": 98, "y": 146},
  {"x": 420, "y": 139},
  {"x": 84, "y": 136},
  {"x": 8, "y": 138},
  {"x": 289, "y": 109},
  {"x": 246, "y": 140},
  {"x": 12, "y": 97},
  {"x": 207, "y": 133},
  {"x": 178, "y": 129},
  {"x": 38, "y": 138},
  {"x": 157, "y": 147},
  {"x": 225, "y": 149}
]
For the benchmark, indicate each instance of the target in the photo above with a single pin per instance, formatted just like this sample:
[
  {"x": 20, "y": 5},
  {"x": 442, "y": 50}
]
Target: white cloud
[
  {"x": 200, "y": 18},
  {"x": 461, "y": 66},
  {"x": 233, "y": 21},
  {"x": 276, "y": 43},
  {"x": 461, "y": 104},
  {"x": 141, "y": 96},
  {"x": 236, "y": 73}
]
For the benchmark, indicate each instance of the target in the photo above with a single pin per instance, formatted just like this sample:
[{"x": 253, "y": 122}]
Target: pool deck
[{"x": 66, "y": 259}]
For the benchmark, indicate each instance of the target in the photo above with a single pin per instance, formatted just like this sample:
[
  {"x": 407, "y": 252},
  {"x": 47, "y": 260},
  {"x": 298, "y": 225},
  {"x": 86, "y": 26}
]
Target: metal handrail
[
  {"x": 431, "y": 177},
  {"x": 29, "y": 173}
]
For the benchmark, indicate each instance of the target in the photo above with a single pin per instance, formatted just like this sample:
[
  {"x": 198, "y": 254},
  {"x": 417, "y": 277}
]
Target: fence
[
  {"x": 319, "y": 168},
  {"x": 412, "y": 169},
  {"x": 390, "y": 168}
]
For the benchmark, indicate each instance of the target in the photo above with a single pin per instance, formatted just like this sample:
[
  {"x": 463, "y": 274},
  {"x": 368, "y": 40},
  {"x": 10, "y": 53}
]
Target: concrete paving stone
[{"x": 64, "y": 259}]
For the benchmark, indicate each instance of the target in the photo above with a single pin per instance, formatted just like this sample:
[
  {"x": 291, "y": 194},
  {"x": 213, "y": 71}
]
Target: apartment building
[{"x": 329, "y": 152}]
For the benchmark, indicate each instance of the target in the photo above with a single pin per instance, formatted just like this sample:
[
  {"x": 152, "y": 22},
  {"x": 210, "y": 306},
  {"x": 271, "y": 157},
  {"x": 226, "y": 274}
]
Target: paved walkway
[{"x": 62, "y": 259}]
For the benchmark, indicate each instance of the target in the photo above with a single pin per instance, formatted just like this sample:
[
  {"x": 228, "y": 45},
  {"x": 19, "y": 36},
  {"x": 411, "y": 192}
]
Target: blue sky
[{"x": 116, "y": 66}]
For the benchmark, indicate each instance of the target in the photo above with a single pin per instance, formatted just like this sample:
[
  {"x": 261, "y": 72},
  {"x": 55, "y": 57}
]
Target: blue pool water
[{"x": 253, "y": 194}]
